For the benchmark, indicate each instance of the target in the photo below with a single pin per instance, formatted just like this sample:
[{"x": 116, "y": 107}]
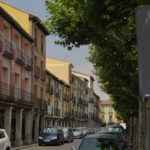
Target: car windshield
[
  {"x": 95, "y": 144},
  {"x": 49, "y": 131},
  {"x": 65, "y": 129},
  {"x": 76, "y": 130},
  {"x": 114, "y": 129}
]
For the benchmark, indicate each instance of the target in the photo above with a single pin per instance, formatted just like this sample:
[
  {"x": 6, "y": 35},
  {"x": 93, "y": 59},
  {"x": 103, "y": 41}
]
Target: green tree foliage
[{"x": 108, "y": 26}]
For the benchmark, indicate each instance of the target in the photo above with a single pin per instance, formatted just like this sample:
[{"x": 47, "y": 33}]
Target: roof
[
  {"x": 12, "y": 21},
  {"x": 59, "y": 68},
  {"x": 84, "y": 75},
  {"x": 25, "y": 16},
  {"x": 54, "y": 76},
  {"x": 58, "y": 61},
  {"x": 106, "y": 102},
  {"x": 39, "y": 23}
]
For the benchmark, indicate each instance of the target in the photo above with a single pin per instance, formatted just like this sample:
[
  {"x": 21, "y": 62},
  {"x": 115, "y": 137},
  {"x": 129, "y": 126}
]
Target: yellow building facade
[{"x": 107, "y": 112}]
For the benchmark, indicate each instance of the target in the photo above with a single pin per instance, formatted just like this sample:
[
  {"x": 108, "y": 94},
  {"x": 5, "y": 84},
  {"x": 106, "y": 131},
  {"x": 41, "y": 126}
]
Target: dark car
[
  {"x": 51, "y": 136},
  {"x": 68, "y": 134},
  {"x": 99, "y": 142}
]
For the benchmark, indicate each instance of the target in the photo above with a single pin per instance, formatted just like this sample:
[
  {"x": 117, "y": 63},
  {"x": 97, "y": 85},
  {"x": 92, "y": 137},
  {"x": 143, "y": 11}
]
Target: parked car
[
  {"x": 99, "y": 142},
  {"x": 68, "y": 134},
  {"x": 4, "y": 140},
  {"x": 77, "y": 133},
  {"x": 51, "y": 136},
  {"x": 116, "y": 128},
  {"x": 85, "y": 131},
  {"x": 116, "y": 132}
]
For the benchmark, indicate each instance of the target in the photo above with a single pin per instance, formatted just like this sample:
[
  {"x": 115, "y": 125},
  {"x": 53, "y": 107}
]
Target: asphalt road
[{"x": 66, "y": 146}]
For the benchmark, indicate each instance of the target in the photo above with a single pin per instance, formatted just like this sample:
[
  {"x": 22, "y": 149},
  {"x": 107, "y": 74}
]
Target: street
[{"x": 66, "y": 146}]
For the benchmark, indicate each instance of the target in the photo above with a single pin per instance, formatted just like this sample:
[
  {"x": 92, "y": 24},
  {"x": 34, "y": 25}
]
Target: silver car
[
  {"x": 4, "y": 140},
  {"x": 68, "y": 134},
  {"x": 77, "y": 133}
]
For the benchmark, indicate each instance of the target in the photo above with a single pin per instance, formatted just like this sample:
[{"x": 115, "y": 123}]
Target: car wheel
[
  {"x": 40, "y": 144},
  {"x": 72, "y": 140},
  {"x": 8, "y": 148},
  {"x": 63, "y": 142}
]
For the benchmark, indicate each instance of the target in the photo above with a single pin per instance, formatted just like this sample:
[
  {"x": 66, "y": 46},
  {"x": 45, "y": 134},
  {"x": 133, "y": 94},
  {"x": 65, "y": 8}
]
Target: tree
[{"x": 108, "y": 26}]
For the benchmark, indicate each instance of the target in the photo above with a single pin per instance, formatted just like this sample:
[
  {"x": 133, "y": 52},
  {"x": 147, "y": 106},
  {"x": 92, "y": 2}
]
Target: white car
[{"x": 4, "y": 140}]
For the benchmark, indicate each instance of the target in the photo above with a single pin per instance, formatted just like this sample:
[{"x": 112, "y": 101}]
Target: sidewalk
[{"x": 23, "y": 147}]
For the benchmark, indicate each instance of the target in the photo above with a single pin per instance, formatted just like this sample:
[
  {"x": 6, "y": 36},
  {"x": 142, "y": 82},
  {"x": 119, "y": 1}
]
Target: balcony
[
  {"x": 8, "y": 93},
  {"x": 7, "y": 49},
  {"x": 26, "y": 96},
  {"x": 4, "y": 91},
  {"x": 28, "y": 63},
  {"x": 6, "y": 46},
  {"x": 20, "y": 59},
  {"x": 37, "y": 72}
]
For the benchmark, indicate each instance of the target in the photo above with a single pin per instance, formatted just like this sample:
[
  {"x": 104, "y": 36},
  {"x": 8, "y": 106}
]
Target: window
[
  {"x": 26, "y": 84},
  {"x": 17, "y": 80},
  {"x": 7, "y": 31},
  {"x": 42, "y": 44},
  {"x": 35, "y": 91},
  {"x": 41, "y": 95},
  {"x": 35, "y": 59},
  {"x": 5, "y": 75},
  {"x": 35, "y": 36},
  {"x": 2, "y": 135}
]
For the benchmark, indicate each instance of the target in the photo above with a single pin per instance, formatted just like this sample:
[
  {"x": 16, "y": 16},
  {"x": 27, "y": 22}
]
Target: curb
[{"x": 23, "y": 147}]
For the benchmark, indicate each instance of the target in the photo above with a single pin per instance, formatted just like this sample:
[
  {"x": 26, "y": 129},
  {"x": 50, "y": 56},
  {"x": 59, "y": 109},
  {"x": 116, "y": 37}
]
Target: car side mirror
[{"x": 73, "y": 148}]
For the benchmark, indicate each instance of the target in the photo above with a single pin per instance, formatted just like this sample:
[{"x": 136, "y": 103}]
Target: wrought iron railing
[
  {"x": 10, "y": 92},
  {"x": 37, "y": 71},
  {"x": 20, "y": 58}
]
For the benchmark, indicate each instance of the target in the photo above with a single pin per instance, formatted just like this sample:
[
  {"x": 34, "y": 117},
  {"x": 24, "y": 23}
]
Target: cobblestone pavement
[{"x": 66, "y": 146}]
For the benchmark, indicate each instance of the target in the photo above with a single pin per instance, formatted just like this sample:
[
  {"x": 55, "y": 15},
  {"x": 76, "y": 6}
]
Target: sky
[{"x": 78, "y": 56}]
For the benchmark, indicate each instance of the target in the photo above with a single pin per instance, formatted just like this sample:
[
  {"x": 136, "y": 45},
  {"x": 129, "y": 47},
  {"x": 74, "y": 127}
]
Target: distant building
[
  {"x": 90, "y": 98},
  {"x": 107, "y": 112},
  {"x": 57, "y": 92}
]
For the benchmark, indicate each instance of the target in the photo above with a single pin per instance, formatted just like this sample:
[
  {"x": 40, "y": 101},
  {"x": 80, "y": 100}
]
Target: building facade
[
  {"x": 15, "y": 80},
  {"x": 79, "y": 101},
  {"x": 107, "y": 112},
  {"x": 91, "y": 99},
  {"x": 22, "y": 74},
  {"x": 57, "y": 93}
]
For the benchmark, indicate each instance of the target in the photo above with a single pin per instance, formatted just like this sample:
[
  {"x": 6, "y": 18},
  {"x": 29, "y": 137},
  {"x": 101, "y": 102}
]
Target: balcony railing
[
  {"x": 7, "y": 49},
  {"x": 37, "y": 72},
  {"x": 26, "y": 95},
  {"x": 20, "y": 59},
  {"x": 10, "y": 93},
  {"x": 28, "y": 63},
  {"x": 6, "y": 46},
  {"x": 4, "y": 91}
]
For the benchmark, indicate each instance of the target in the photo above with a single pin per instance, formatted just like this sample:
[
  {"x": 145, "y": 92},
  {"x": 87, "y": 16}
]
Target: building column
[
  {"x": 18, "y": 130},
  {"x": 28, "y": 127},
  {"x": 7, "y": 120},
  {"x": 36, "y": 129}
]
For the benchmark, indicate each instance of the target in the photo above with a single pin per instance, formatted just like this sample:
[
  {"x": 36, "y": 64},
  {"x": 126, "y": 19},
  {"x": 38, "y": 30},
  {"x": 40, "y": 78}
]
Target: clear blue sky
[{"x": 78, "y": 56}]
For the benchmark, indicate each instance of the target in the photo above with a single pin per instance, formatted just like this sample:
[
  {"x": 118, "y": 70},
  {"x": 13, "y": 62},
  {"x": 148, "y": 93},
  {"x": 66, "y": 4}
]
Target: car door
[{"x": 2, "y": 140}]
